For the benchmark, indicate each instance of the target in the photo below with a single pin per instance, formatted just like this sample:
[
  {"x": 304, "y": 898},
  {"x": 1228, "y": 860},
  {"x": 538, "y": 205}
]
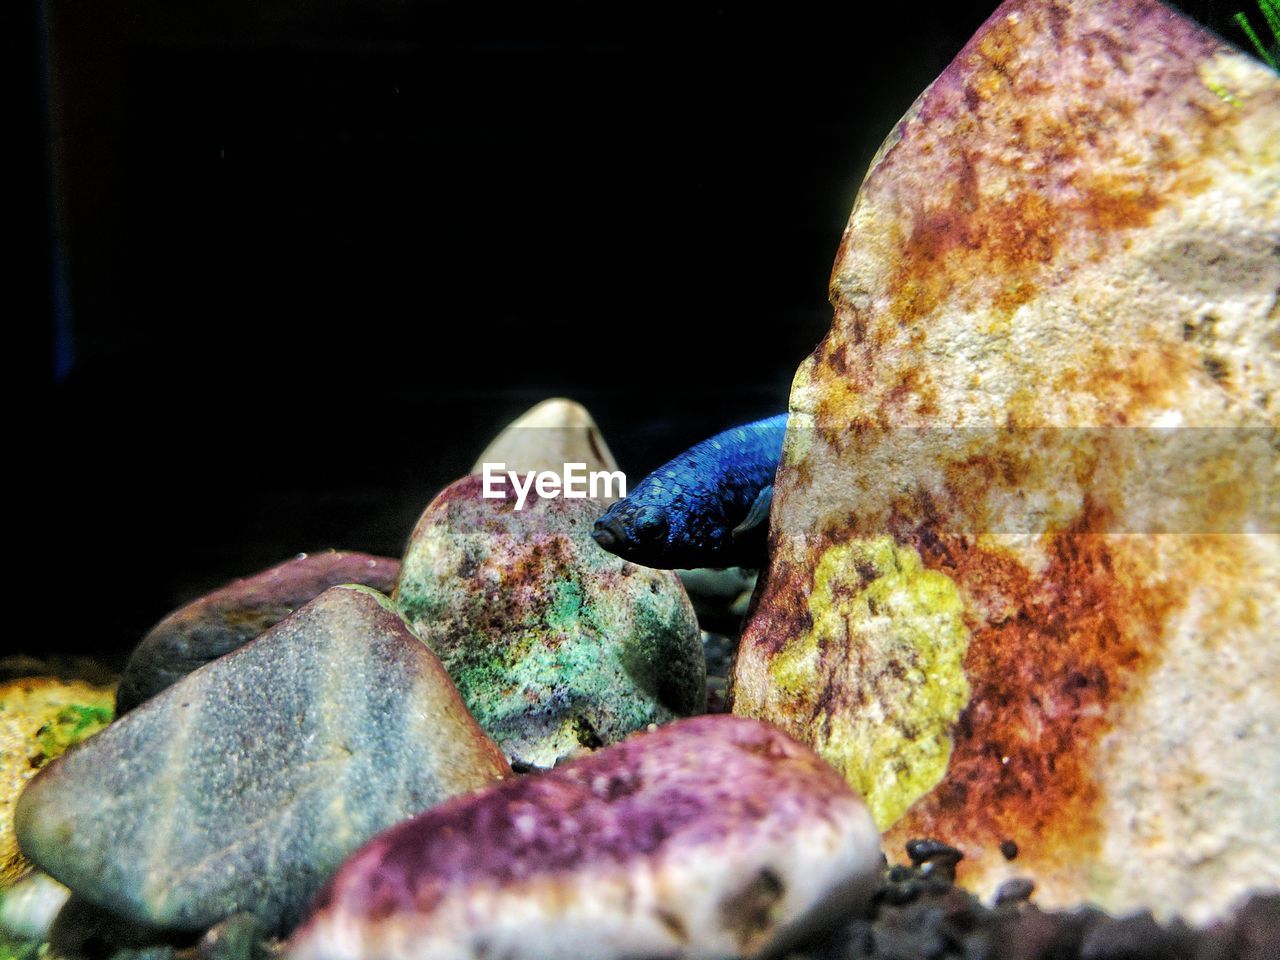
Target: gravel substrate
[{"x": 919, "y": 914}]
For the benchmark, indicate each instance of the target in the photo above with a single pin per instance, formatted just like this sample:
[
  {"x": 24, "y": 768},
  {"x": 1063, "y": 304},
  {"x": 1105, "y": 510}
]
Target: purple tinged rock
[
  {"x": 232, "y": 615},
  {"x": 244, "y": 785},
  {"x": 716, "y": 836}
]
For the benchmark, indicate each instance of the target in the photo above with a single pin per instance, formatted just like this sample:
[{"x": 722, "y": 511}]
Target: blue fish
[{"x": 709, "y": 507}]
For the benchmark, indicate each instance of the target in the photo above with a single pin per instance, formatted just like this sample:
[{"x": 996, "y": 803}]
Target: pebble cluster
[
  {"x": 918, "y": 913},
  {"x": 299, "y": 729}
]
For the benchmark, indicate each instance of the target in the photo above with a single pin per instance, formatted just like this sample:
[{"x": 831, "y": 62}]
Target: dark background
[{"x": 291, "y": 265}]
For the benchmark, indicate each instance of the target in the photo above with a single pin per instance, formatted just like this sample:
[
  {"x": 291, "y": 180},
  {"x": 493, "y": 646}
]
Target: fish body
[{"x": 708, "y": 507}]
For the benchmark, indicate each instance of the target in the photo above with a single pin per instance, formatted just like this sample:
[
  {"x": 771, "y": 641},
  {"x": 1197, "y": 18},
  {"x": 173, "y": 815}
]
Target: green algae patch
[
  {"x": 554, "y": 643},
  {"x": 73, "y": 724},
  {"x": 12, "y": 948},
  {"x": 880, "y": 673},
  {"x": 565, "y": 611},
  {"x": 40, "y": 719}
]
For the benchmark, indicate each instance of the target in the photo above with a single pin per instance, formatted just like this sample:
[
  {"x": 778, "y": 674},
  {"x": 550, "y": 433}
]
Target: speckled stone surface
[
  {"x": 230, "y": 616},
  {"x": 546, "y": 437},
  {"x": 555, "y": 643},
  {"x": 999, "y": 600},
  {"x": 711, "y": 837},
  {"x": 39, "y": 718},
  {"x": 245, "y": 784}
]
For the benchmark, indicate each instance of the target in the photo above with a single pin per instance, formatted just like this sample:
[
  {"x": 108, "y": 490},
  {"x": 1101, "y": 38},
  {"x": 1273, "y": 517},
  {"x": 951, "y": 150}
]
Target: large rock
[
  {"x": 712, "y": 837},
  {"x": 245, "y": 784},
  {"x": 40, "y": 717},
  {"x": 231, "y": 616},
  {"x": 546, "y": 437},
  {"x": 1004, "y": 598},
  {"x": 554, "y": 643}
]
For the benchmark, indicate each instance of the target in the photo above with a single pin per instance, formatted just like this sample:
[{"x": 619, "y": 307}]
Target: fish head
[{"x": 636, "y": 530}]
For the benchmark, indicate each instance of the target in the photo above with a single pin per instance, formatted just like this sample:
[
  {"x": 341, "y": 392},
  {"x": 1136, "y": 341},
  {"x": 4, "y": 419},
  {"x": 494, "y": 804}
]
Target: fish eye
[{"x": 650, "y": 523}]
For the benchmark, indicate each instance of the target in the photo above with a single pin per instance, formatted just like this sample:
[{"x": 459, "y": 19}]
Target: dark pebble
[
  {"x": 1127, "y": 939},
  {"x": 915, "y": 917},
  {"x": 941, "y": 868},
  {"x": 937, "y": 885},
  {"x": 979, "y": 946},
  {"x": 901, "y": 893},
  {"x": 932, "y": 851},
  {"x": 1012, "y": 891},
  {"x": 146, "y": 953},
  {"x": 83, "y": 930},
  {"x": 1253, "y": 934},
  {"x": 1009, "y": 849}
]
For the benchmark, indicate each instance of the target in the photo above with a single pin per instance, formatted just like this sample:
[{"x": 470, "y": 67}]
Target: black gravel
[{"x": 919, "y": 914}]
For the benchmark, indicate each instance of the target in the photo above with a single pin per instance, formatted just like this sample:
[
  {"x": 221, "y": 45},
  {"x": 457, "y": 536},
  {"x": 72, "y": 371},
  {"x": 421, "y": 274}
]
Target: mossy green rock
[
  {"x": 554, "y": 643},
  {"x": 244, "y": 785}
]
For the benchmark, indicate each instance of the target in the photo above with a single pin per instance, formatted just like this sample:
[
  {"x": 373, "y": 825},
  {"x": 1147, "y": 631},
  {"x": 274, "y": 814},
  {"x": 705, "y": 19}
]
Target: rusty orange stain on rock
[
  {"x": 1080, "y": 632},
  {"x": 1003, "y": 179},
  {"x": 946, "y": 244},
  {"x": 1124, "y": 380},
  {"x": 1021, "y": 164},
  {"x": 1015, "y": 264},
  {"x": 1061, "y": 650}
]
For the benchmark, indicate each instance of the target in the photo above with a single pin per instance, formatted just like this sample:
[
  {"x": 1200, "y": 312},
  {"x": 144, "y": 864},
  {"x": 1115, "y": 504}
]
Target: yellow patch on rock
[{"x": 890, "y": 634}]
